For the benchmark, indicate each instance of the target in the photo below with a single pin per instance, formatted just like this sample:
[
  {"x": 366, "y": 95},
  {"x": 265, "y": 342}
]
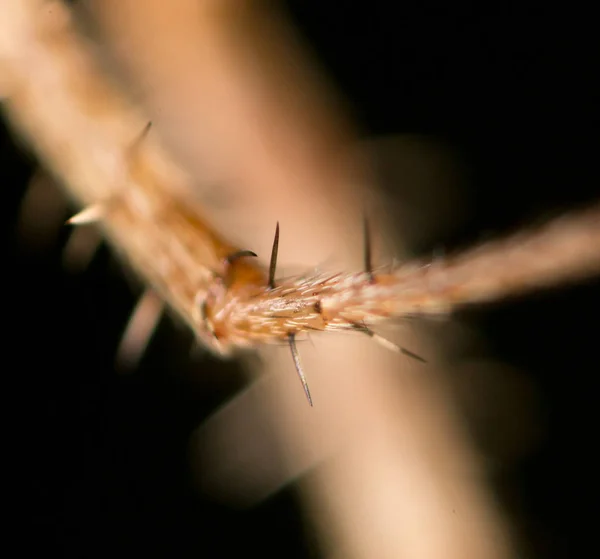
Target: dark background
[{"x": 103, "y": 458}]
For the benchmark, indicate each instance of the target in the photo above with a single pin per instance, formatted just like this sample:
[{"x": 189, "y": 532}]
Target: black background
[{"x": 103, "y": 458}]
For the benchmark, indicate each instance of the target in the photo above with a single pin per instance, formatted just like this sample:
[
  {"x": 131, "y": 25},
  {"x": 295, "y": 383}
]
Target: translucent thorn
[
  {"x": 80, "y": 249},
  {"x": 91, "y": 214},
  {"x": 273, "y": 263},
  {"x": 296, "y": 358},
  {"x": 142, "y": 324},
  {"x": 384, "y": 342}
]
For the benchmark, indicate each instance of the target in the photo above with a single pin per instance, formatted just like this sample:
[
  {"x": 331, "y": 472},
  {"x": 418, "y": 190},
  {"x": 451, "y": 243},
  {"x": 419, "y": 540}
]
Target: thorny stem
[
  {"x": 562, "y": 250},
  {"x": 81, "y": 126},
  {"x": 254, "y": 309}
]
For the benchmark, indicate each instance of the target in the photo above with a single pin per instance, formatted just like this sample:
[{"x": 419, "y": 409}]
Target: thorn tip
[
  {"x": 387, "y": 343},
  {"x": 90, "y": 214},
  {"x": 296, "y": 358},
  {"x": 273, "y": 262}
]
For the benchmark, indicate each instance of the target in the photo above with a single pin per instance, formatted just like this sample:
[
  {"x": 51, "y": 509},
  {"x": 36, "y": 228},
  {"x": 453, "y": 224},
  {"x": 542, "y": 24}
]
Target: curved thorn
[
  {"x": 296, "y": 358},
  {"x": 273, "y": 263},
  {"x": 239, "y": 254}
]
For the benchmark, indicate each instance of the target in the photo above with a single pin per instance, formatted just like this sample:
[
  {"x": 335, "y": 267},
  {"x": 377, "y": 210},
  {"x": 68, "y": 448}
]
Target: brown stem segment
[{"x": 564, "y": 249}]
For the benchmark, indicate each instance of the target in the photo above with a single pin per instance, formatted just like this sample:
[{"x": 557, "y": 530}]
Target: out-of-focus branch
[
  {"x": 87, "y": 133},
  {"x": 395, "y": 475}
]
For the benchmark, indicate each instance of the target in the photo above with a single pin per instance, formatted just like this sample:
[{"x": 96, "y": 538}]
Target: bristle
[
  {"x": 368, "y": 259},
  {"x": 140, "y": 328},
  {"x": 384, "y": 342},
  {"x": 273, "y": 262},
  {"x": 413, "y": 355},
  {"x": 296, "y": 358}
]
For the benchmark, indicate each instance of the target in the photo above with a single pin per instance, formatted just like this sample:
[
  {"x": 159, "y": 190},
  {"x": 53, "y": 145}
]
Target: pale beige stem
[
  {"x": 399, "y": 479},
  {"x": 237, "y": 101}
]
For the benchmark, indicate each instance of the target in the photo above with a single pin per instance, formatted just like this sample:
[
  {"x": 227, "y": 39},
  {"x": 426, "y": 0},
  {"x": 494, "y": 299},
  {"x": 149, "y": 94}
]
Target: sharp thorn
[
  {"x": 90, "y": 214},
  {"x": 384, "y": 342},
  {"x": 368, "y": 260},
  {"x": 273, "y": 263},
  {"x": 413, "y": 355},
  {"x": 296, "y": 358}
]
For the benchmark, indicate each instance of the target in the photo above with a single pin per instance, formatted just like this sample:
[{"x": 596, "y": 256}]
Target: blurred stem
[
  {"x": 233, "y": 92},
  {"x": 241, "y": 104}
]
